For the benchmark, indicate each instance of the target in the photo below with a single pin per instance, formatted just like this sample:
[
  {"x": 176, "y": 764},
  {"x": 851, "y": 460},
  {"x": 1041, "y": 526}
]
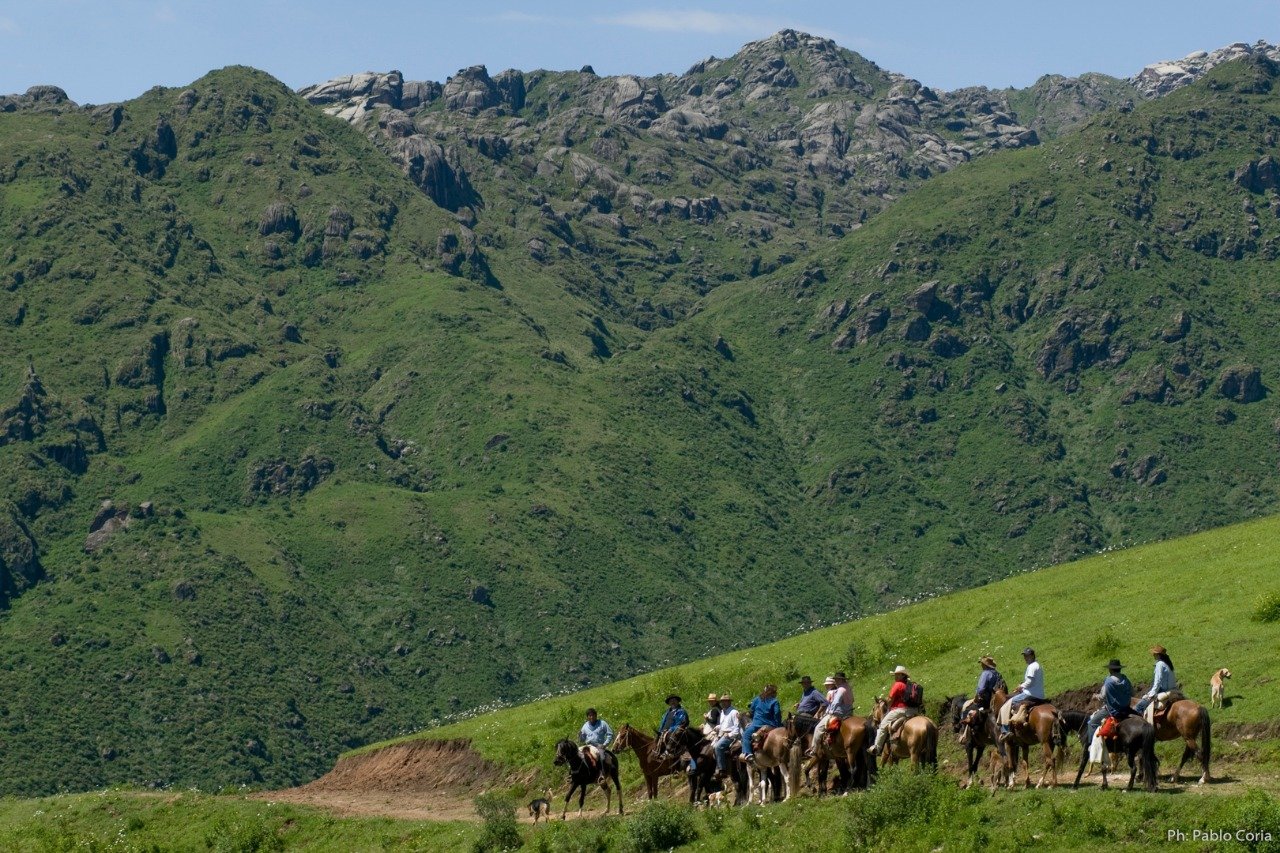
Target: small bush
[
  {"x": 1268, "y": 608},
  {"x": 242, "y": 836},
  {"x": 660, "y": 825},
  {"x": 1105, "y": 644},
  {"x": 500, "y": 832}
]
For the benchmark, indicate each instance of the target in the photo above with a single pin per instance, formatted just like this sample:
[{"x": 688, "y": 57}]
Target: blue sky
[{"x": 100, "y": 50}]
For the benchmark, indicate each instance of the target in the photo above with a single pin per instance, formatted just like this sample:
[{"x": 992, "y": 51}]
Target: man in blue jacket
[
  {"x": 1117, "y": 693},
  {"x": 765, "y": 711},
  {"x": 675, "y": 717}
]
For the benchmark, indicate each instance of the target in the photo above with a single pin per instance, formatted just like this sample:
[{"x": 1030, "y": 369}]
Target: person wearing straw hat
[
  {"x": 1162, "y": 682},
  {"x": 1117, "y": 693},
  {"x": 728, "y": 730},
  {"x": 898, "y": 707},
  {"x": 839, "y": 706},
  {"x": 711, "y": 717},
  {"x": 988, "y": 680}
]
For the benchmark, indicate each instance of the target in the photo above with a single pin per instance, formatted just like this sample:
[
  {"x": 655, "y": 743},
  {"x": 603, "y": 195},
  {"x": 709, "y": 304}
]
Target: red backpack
[{"x": 914, "y": 697}]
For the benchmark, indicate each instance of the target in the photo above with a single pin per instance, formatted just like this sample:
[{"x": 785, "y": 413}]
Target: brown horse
[
  {"x": 778, "y": 750},
  {"x": 917, "y": 739},
  {"x": 1188, "y": 720},
  {"x": 653, "y": 766},
  {"x": 847, "y": 748},
  {"x": 977, "y": 729},
  {"x": 1041, "y": 727}
]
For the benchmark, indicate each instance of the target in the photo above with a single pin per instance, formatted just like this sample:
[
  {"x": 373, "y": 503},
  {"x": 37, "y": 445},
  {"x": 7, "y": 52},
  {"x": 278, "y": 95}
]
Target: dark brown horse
[
  {"x": 917, "y": 739},
  {"x": 1134, "y": 737},
  {"x": 1188, "y": 720},
  {"x": 977, "y": 728},
  {"x": 1041, "y": 727},
  {"x": 581, "y": 775},
  {"x": 653, "y": 766},
  {"x": 847, "y": 747},
  {"x": 676, "y": 744}
]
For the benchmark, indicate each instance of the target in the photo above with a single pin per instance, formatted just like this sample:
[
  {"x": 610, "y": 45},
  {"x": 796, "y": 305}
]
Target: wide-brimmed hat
[
  {"x": 805, "y": 678},
  {"x": 901, "y": 670},
  {"x": 987, "y": 660},
  {"x": 1028, "y": 651},
  {"x": 1158, "y": 650},
  {"x": 829, "y": 681},
  {"x": 725, "y": 697},
  {"x": 711, "y": 697},
  {"x": 669, "y": 698},
  {"x": 1114, "y": 665}
]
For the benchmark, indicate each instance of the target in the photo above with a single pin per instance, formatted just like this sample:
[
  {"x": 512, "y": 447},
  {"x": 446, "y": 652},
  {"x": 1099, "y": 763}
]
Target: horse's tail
[
  {"x": 1150, "y": 763},
  {"x": 1204, "y": 743},
  {"x": 931, "y": 747},
  {"x": 1058, "y": 741},
  {"x": 795, "y": 755}
]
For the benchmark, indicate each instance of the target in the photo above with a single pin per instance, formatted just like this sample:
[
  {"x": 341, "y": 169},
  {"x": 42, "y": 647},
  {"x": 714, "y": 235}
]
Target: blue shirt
[
  {"x": 987, "y": 683},
  {"x": 1117, "y": 691},
  {"x": 1161, "y": 680},
  {"x": 765, "y": 712},
  {"x": 811, "y": 702},
  {"x": 598, "y": 735},
  {"x": 674, "y": 719}
]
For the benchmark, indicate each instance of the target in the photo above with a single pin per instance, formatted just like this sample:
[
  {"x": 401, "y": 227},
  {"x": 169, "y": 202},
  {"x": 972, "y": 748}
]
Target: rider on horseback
[
  {"x": 988, "y": 681},
  {"x": 899, "y": 710},
  {"x": 728, "y": 729},
  {"x": 711, "y": 716},
  {"x": 1162, "y": 682},
  {"x": 674, "y": 719},
  {"x": 1117, "y": 693},
  {"x": 1032, "y": 687},
  {"x": 839, "y": 704},
  {"x": 810, "y": 707},
  {"x": 765, "y": 712},
  {"x": 595, "y": 737}
]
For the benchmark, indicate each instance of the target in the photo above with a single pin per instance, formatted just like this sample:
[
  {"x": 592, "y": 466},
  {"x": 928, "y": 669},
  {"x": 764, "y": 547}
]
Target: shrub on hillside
[
  {"x": 498, "y": 813},
  {"x": 1106, "y": 644},
  {"x": 660, "y": 825},
  {"x": 1268, "y": 608},
  {"x": 903, "y": 799}
]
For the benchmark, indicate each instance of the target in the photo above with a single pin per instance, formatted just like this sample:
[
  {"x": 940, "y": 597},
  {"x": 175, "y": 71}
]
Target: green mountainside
[{"x": 375, "y": 458}]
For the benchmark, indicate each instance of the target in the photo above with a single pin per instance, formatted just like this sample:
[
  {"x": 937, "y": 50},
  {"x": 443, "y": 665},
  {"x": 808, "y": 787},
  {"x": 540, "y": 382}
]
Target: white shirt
[
  {"x": 1033, "y": 681},
  {"x": 730, "y": 725}
]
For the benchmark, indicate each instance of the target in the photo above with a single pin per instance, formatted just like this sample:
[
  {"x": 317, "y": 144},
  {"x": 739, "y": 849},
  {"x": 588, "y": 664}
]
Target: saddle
[
  {"x": 760, "y": 734},
  {"x": 1023, "y": 714},
  {"x": 1109, "y": 729}
]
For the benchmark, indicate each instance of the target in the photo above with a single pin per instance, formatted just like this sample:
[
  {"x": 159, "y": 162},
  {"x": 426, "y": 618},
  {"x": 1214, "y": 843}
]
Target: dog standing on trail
[
  {"x": 1216, "y": 687},
  {"x": 540, "y": 808}
]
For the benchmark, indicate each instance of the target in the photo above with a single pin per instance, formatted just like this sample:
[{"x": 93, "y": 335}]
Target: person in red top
[{"x": 898, "y": 708}]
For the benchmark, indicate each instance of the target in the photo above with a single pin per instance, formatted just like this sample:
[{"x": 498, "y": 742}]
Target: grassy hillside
[{"x": 1195, "y": 595}]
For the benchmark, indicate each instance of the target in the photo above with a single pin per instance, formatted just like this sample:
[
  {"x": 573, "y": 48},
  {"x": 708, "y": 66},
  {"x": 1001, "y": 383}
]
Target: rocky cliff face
[{"x": 1161, "y": 78}]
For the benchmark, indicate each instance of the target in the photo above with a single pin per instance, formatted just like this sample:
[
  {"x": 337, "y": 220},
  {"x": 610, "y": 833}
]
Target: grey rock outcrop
[{"x": 1161, "y": 78}]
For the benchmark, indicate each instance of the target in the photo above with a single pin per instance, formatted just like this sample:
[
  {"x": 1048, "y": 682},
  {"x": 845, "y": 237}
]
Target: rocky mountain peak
[{"x": 1161, "y": 78}]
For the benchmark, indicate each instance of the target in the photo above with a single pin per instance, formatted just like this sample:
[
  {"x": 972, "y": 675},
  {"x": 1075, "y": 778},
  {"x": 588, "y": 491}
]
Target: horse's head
[
  {"x": 879, "y": 706},
  {"x": 563, "y": 750},
  {"x": 623, "y": 740}
]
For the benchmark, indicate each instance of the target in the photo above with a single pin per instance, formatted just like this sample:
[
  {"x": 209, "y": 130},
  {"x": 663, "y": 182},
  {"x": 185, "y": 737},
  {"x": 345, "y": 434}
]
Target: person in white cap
[
  {"x": 898, "y": 707},
  {"x": 839, "y": 707}
]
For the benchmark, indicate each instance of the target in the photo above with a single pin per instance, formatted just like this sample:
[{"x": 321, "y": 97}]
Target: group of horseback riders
[
  {"x": 1116, "y": 693},
  {"x": 822, "y": 713}
]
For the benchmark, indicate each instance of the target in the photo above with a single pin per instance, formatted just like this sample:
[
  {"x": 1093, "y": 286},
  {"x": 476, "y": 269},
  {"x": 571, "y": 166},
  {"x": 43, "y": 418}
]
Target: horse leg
[
  {"x": 617, "y": 784},
  {"x": 1188, "y": 752},
  {"x": 573, "y": 786},
  {"x": 608, "y": 796},
  {"x": 1133, "y": 767}
]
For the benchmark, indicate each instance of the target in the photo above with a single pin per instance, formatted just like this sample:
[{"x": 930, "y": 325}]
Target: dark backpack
[{"x": 914, "y": 697}]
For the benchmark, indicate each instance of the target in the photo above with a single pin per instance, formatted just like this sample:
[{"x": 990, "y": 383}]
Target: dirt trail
[{"x": 415, "y": 780}]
